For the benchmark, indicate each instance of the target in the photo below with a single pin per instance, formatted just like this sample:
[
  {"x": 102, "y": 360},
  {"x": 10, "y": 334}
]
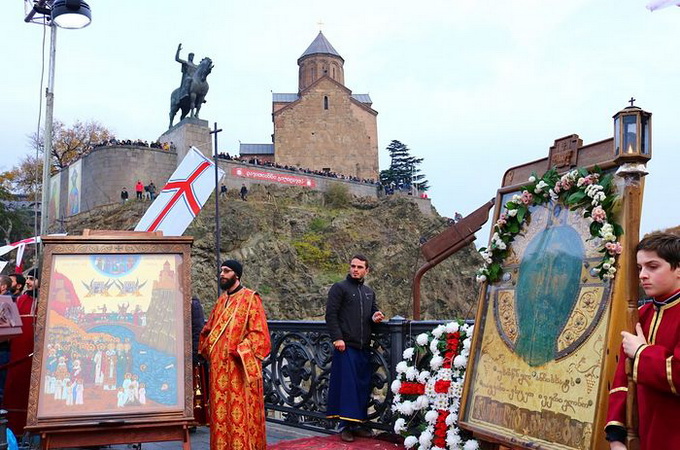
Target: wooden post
[{"x": 632, "y": 174}]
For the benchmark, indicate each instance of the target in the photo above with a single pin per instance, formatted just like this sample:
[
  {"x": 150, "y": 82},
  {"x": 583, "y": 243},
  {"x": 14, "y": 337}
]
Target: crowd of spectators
[
  {"x": 323, "y": 173},
  {"x": 167, "y": 146}
]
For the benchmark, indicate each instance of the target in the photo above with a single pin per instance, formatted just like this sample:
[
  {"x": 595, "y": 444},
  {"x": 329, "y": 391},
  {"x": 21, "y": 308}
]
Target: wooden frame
[
  {"x": 543, "y": 425},
  {"x": 113, "y": 340}
]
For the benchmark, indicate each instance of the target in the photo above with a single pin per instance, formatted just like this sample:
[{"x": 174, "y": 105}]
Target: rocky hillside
[{"x": 294, "y": 243}]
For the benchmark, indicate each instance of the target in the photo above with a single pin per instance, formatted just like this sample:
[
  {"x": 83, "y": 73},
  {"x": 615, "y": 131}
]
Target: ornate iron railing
[{"x": 297, "y": 372}]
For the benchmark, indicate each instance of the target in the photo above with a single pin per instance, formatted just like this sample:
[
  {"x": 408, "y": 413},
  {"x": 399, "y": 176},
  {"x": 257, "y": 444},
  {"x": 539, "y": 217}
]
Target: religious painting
[
  {"x": 55, "y": 191},
  {"x": 539, "y": 350},
  {"x": 75, "y": 172},
  {"x": 113, "y": 329}
]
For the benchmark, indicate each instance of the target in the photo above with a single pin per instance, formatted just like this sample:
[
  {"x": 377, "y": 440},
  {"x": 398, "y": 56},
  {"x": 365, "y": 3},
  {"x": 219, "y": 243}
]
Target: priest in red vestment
[
  {"x": 655, "y": 351},
  {"x": 235, "y": 340}
]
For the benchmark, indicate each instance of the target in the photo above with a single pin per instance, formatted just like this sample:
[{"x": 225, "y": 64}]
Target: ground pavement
[{"x": 279, "y": 437}]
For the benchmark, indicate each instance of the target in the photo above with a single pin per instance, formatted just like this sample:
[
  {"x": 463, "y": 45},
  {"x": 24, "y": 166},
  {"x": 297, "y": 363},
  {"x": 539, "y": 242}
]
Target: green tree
[{"x": 403, "y": 168}]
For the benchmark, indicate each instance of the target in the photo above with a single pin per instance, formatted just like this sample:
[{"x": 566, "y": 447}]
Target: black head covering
[{"x": 235, "y": 266}]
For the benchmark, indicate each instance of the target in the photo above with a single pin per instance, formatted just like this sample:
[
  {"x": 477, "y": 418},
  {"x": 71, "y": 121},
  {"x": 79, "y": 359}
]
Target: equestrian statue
[{"x": 190, "y": 95}]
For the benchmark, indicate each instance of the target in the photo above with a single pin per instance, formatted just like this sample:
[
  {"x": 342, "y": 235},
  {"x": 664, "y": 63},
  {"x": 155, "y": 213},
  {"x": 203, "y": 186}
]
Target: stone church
[{"x": 323, "y": 126}]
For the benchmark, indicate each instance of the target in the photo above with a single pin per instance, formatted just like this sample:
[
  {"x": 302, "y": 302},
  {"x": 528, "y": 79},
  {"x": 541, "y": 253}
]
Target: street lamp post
[{"x": 70, "y": 14}]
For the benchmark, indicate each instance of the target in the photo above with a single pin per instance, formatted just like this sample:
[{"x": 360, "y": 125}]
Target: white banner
[{"x": 182, "y": 197}]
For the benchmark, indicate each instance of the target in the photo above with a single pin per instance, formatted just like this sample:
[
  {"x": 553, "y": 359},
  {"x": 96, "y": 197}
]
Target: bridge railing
[{"x": 297, "y": 372}]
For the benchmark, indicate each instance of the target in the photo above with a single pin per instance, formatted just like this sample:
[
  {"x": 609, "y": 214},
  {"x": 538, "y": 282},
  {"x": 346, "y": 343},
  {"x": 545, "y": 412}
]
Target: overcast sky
[{"x": 473, "y": 87}]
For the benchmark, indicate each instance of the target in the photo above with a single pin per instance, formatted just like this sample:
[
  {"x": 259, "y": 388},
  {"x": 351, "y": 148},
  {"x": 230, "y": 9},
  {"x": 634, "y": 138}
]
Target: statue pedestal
[{"x": 189, "y": 132}]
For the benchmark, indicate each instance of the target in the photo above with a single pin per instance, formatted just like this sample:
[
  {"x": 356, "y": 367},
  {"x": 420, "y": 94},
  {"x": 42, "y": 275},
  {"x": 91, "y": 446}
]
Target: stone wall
[{"x": 107, "y": 169}]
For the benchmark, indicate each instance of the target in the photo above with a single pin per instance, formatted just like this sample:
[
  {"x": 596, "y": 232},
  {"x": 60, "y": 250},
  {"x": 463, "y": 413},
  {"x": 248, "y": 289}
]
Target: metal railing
[{"x": 297, "y": 372}]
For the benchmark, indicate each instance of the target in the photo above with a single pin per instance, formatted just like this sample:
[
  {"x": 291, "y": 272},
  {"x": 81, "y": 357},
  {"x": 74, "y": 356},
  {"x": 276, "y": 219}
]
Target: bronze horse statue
[{"x": 191, "y": 102}]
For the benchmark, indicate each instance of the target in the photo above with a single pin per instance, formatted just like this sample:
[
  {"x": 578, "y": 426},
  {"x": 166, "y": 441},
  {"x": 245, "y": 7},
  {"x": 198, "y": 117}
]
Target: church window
[{"x": 325, "y": 102}]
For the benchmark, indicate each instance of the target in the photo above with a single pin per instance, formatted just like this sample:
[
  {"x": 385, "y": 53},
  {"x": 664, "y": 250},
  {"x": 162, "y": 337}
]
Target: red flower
[
  {"x": 409, "y": 388},
  {"x": 441, "y": 386}
]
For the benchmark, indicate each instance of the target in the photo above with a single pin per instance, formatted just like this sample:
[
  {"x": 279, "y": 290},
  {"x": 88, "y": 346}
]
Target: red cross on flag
[{"x": 182, "y": 197}]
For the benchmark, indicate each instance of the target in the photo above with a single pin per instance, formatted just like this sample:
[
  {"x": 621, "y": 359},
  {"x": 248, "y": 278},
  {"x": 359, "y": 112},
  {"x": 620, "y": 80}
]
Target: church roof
[
  {"x": 290, "y": 98},
  {"x": 320, "y": 45},
  {"x": 256, "y": 149}
]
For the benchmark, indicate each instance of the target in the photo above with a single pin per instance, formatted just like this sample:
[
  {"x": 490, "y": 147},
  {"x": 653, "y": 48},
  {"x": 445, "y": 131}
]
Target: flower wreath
[
  {"x": 428, "y": 388},
  {"x": 579, "y": 188}
]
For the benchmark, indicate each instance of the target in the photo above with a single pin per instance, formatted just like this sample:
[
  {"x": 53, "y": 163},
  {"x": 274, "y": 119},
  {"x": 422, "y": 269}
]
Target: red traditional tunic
[
  {"x": 19, "y": 373},
  {"x": 656, "y": 371},
  {"x": 236, "y": 340}
]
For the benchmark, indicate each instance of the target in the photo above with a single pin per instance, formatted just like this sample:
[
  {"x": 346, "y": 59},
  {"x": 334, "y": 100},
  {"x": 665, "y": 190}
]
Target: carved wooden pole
[{"x": 632, "y": 174}]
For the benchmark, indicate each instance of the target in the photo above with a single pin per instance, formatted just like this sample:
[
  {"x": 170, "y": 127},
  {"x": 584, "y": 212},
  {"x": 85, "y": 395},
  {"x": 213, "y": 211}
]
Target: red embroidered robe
[
  {"x": 236, "y": 340},
  {"x": 656, "y": 371}
]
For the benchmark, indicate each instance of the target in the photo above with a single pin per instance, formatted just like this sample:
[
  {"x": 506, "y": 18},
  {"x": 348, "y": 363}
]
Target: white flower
[
  {"x": 606, "y": 266},
  {"x": 466, "y": 344},
  {"x": 399, "y": 425},
  {"x": 471, "y": 445},
  {"x": 410, "y": 441},
  {"x": 396, "y": 385},
  {"x": 425, "y": 439},
  {"x": 460, "y": 361},
  {"x": 408, "y": 353},
  {"x": 481, "y": 278},
  {"x": 423, "y": 376},
  {"x": 501, "y": 245},
  {"x": 540, "y": 186},
  {"x": 407, "y": 408},
  {"x": 411, "y": 373},
  {"x": 452, "y": 327},
  {"x": 435, "y": 447},
  {"x": 401, "y": 367},
  {"x": 453, "y": 440},
  {"x": 436, "y": 362},
  {"x": 431, "y": 416},
  {"x": 421, "y": 339},
  {"x": 512, "y": 212},
  {"x": 421, "y": 402},
  {"x": 532, "y": 179},
  {"x": 437, "y": 332},
  {"x": 516, "y": 198},
  {"x": 433, "y": 346},
  {"x": 612, "y": 270}
]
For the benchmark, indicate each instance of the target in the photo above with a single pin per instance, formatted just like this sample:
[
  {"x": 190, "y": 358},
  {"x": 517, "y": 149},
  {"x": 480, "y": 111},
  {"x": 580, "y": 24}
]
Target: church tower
[{"x": 320, "y": 59}]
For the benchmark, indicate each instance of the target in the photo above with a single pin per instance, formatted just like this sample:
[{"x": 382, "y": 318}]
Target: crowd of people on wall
[
  {"x": 167, "y": 146},
  {"x": 323, "y": 173}
]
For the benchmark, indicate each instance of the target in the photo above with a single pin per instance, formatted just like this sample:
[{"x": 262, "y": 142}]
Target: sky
[{"x": 474, "y": 87}]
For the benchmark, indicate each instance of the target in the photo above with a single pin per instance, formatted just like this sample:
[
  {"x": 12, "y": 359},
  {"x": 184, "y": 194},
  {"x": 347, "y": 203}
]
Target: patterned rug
[{"x": 334, "y": 442}]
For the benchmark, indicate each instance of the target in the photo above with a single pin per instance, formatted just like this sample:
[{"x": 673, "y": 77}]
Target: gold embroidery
[
  {"x": 669, "y": 374},
  {"x": 636, "y": 360}
]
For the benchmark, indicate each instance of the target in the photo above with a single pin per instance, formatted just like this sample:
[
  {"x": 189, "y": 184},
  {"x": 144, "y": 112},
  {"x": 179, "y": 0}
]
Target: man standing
[
  {"x": 21, "y": 351},
  {"x": 124, "y": 195},
  {"x": 350, "y": 312},
  {"x": 235, "y": 341},
  {"x": 139, "y": 189},
  {"x": 244, "y": 192}
]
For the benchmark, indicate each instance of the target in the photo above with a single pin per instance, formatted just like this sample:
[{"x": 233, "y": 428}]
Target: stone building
[{"x": 323, "y": 126}]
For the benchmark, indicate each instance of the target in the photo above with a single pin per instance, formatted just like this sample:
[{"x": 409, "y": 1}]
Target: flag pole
[{"x": 217, "y": 209}]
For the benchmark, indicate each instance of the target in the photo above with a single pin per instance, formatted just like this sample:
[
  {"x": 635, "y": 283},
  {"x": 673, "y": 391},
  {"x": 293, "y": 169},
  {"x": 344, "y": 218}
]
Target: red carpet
[{"x": 334, "y": 442}]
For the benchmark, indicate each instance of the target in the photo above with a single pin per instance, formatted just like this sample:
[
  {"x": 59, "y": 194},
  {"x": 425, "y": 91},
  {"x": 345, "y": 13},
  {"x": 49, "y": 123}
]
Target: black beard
[{"x": 225, "y": 284}]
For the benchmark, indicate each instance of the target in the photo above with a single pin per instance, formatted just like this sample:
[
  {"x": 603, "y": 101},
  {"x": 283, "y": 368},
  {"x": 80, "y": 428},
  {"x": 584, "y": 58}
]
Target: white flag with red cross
[{"x": 182, "y": 198}]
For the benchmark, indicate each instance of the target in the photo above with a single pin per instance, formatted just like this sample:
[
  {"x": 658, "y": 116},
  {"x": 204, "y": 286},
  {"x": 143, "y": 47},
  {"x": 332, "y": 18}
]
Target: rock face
[{"x": 295, "y": 243}]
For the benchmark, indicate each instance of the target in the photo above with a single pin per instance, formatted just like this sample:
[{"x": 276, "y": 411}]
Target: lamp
[
  {"x": 71, "y": 14},
  {"x": 632, "y": 135}
]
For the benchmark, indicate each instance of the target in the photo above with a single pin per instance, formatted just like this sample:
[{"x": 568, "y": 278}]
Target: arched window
[{"x": 325, "y": 102}]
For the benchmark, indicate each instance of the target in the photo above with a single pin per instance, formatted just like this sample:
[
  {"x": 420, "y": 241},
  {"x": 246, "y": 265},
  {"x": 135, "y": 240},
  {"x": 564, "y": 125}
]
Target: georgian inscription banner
[{"x": 538, "y": 359}]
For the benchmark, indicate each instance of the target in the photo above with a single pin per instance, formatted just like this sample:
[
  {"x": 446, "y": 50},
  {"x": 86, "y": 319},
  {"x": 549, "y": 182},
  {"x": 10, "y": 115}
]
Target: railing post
[{"x": 396, "y": 329}]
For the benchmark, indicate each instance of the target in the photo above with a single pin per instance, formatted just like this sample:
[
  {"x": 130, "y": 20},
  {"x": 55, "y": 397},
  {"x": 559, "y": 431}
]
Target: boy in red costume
[{"x": 654, "y": 349}]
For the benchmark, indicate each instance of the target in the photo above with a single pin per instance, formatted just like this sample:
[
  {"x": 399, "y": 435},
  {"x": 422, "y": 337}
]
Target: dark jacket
[{"x": 349, "y": 312}]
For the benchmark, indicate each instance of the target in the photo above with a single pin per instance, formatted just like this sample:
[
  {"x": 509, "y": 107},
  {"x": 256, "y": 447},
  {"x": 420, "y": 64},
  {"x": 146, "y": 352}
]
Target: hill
[{"x": 294, "y": 243}]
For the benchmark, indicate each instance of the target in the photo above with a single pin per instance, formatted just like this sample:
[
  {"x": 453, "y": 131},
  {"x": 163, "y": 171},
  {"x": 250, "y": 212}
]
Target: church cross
[
  {"x": 631, "y": 101},
  {"x": 320, "y": 24}
]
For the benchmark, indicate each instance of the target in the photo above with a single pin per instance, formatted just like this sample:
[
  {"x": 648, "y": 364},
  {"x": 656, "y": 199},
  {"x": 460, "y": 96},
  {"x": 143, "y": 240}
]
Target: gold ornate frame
[{"x": 145, "y": 424}]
